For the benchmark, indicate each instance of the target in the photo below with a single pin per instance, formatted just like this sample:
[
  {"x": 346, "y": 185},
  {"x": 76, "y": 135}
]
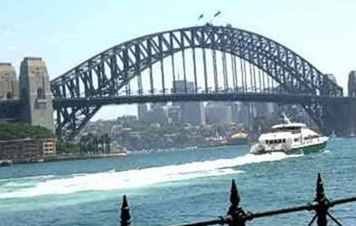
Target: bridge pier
[
  {"x": 339, "y": 118},
  {"x": 35, "y": 93},
  {"x": 351, "y": 115},
  {"x": 29, "y": 99}
]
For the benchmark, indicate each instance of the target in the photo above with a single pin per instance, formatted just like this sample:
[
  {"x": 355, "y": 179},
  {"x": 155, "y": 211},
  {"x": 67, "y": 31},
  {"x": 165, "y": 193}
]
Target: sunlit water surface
[{"x": 172, "y": 187}]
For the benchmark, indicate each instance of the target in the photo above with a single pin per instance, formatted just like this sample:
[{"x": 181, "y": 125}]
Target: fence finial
[
  {"x": 234, "y": 195},
  {"x": 320, "y": 193},
  {"x": 322, "y": 203},
  {"x": 236, "y": 215},
  {"x": 125, "y": 213}
]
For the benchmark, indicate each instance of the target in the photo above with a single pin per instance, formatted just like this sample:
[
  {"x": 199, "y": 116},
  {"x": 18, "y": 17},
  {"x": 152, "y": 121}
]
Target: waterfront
[{"x": 175, "y": 186}]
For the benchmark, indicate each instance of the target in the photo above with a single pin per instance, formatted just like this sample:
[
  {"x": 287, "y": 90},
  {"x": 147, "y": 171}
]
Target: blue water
[{"x": 175, "y": 187}]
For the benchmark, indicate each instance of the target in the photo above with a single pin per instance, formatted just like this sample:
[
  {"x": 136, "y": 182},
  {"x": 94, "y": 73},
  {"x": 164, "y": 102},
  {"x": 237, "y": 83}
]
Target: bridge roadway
[
  {"x": 342, "y": 122},
  {"x": 336, "y": 112},
  {"x": 251, "y": 97}
]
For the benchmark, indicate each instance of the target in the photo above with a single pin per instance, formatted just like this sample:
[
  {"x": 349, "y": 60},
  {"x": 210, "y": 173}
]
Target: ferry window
[{"x": 296, "y": 139}]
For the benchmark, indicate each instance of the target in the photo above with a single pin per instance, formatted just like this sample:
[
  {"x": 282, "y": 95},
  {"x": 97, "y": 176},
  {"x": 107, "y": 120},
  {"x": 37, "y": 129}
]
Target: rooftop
[{"x": 32, "y": 58}]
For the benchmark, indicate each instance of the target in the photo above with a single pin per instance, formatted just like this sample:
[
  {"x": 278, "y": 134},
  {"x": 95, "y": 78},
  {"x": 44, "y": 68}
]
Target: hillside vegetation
[{"x": 17, "y": 131}]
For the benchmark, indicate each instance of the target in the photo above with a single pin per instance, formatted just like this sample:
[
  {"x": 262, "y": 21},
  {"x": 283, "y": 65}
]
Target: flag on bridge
[{"x": 217, "y": 13}]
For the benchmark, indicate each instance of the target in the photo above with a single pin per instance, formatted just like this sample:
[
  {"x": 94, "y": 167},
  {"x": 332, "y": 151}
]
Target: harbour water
[{"x": 172, "y": 187}]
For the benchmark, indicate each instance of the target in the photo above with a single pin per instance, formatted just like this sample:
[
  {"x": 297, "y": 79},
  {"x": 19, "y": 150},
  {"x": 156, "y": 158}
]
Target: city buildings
[
  {"x": 27, "y": 149},
  {"x": 141, "y": 111},
  {"x": 219, "y": 113},
  {"x": 178, "y": 112},
  {"x": 174, "y": 114},
  {"x": 192, "y": 112},
  {"x": 156, "y": 113}
]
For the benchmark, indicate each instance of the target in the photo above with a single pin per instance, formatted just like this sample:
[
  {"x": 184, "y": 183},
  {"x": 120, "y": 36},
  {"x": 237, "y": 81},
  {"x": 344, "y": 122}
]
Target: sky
[{"x": 66, "y": 32}]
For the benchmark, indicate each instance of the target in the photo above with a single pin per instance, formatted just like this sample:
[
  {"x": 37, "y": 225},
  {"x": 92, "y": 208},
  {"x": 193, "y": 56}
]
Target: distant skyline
[{"x": 65, "y": 33}]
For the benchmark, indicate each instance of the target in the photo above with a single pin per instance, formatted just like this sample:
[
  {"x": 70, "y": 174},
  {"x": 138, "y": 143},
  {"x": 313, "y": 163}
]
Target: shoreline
[
  {"x": 57, "y": 158},
  {"x": 82, "y": 157}
]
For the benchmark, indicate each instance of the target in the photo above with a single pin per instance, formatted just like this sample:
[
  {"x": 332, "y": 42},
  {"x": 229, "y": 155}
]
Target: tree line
[
  {"x": 95, "y": 143},
  {"x": 9, "y": 131}
]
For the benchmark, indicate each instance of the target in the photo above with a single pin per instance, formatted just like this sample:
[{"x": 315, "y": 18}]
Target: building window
[
  {"x": 9, "y": 95},
  {"x": 41, "y": 93}
]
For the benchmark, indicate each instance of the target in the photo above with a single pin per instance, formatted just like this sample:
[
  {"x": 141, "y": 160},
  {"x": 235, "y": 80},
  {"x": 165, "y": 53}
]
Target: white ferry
[{"x": 289, "y": 138}]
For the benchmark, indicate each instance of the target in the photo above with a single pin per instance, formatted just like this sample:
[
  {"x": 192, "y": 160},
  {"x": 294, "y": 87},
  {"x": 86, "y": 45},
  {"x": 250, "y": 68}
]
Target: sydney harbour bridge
[{"x": 222, "y": 62}]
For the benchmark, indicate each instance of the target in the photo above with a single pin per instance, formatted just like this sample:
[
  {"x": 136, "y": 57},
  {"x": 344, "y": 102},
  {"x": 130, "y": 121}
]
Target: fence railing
[{"x": 236, "y": 216}]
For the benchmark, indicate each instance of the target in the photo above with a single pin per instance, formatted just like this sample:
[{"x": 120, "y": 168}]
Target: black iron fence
[{"x": 236, "y": 216}]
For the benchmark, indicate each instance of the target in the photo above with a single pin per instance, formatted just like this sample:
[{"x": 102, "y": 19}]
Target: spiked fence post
[
  {"x": 125, "y": 213},
  {"x": 322, "y": 202},
  {"x": 236, "y": 215}
]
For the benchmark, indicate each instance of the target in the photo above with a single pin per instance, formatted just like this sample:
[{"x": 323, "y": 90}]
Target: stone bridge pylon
[{"x": 29, "y": 99}]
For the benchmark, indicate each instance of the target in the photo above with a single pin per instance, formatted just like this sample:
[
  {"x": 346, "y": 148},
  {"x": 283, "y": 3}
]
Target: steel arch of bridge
[{"x": 108, "y": 72}]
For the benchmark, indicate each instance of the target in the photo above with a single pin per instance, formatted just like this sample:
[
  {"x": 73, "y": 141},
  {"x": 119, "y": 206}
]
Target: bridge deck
[{"x": 252, "y": 97}]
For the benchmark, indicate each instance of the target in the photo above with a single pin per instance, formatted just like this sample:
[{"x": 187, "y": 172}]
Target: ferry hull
[
  {"x": 300, "y": 150},
  {"x": 308, "y": 149}
]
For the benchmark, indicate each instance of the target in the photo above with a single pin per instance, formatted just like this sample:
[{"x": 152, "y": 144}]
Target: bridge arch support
[{"x": 104, "y": 75}]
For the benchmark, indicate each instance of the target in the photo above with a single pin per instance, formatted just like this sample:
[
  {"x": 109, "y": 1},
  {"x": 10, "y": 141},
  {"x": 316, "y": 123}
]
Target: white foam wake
[{"x": 112, "y": 180}]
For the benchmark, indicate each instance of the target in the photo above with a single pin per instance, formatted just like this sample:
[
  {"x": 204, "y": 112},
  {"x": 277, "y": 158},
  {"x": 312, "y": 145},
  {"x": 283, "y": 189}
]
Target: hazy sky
[{"x": 67, "y": 32}]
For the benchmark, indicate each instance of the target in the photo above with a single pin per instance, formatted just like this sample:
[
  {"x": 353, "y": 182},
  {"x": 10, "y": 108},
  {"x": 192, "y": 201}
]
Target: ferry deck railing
[{"x": 237, "y": 216}]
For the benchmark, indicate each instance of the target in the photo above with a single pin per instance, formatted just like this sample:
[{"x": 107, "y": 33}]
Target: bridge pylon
[{"x": 35, "y": 93}]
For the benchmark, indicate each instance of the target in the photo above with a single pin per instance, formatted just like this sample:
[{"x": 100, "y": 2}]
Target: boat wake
[{"x": 135, "y": 178}]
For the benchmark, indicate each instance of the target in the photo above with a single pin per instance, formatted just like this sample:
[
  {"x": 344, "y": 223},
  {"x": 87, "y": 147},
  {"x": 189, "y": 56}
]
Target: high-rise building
[
  {"x": 218, "y": 113},
  {"x": 174, "y": 114},
  {"x": 192, "y": 112},
  {"x": 235, "y": 107},
  {"x": 244, "y": 114},
  {"x": 156, "y": 114},
  {"x": 141, "y": 111},
  {"x": 264, "y": 110}
]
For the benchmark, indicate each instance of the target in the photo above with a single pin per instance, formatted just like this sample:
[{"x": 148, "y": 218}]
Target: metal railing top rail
[{"x": 236, "y": 216}]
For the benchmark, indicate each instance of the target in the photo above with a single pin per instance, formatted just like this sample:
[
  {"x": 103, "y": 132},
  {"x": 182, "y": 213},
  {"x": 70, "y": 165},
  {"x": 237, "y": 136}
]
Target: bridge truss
[{"x": 195, "y": 63}]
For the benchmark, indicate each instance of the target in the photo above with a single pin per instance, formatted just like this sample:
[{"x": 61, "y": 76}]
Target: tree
[{"x": 19, "y": 131}]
